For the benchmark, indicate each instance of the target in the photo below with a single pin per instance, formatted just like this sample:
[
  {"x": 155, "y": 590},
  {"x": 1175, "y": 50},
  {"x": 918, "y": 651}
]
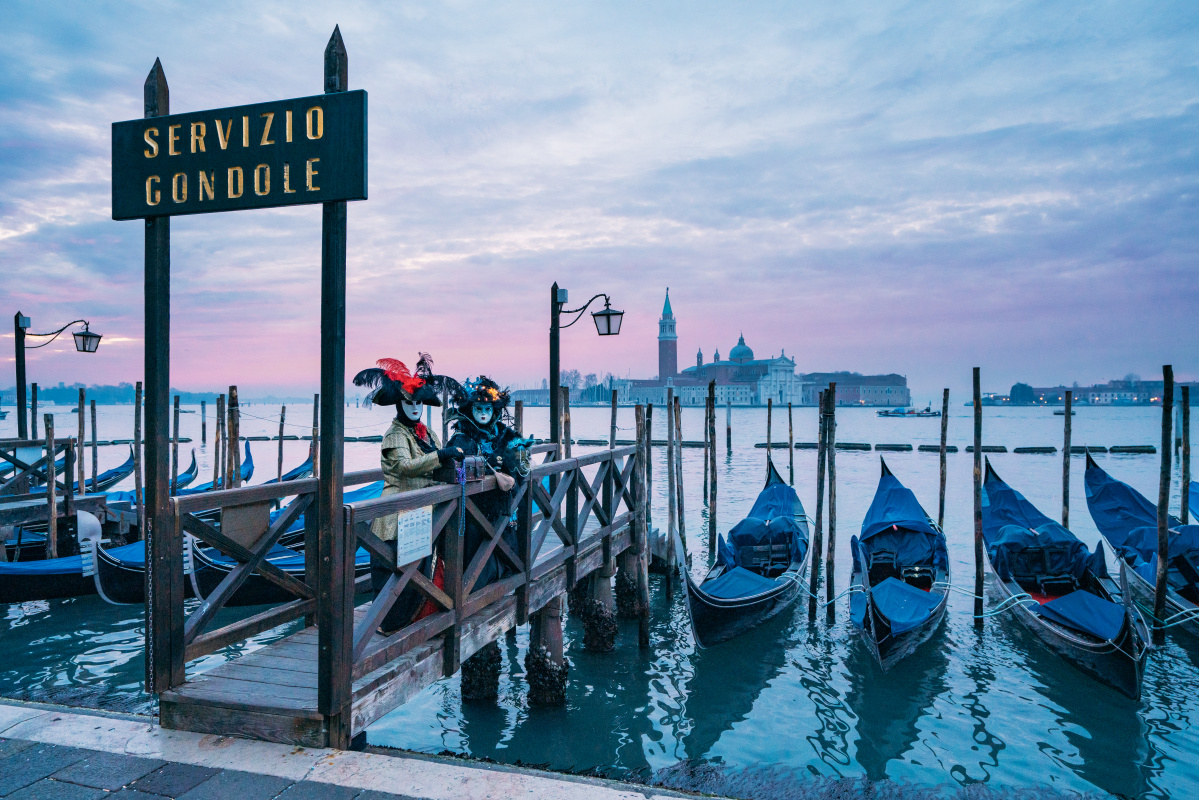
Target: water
[{"x": 796, "y": 708}]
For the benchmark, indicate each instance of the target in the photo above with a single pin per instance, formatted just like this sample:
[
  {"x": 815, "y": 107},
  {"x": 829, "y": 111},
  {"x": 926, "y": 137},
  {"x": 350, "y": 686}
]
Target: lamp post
[
  {"x": 85, "y": 342},
  {"x": 607, "y": 323}
]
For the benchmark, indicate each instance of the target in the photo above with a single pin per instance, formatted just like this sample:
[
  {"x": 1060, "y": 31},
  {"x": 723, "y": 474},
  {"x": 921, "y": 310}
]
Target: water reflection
[{"x": 890, "y": 706}]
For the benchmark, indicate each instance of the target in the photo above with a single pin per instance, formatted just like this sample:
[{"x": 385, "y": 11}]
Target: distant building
[{"x": 744, "y": 380}]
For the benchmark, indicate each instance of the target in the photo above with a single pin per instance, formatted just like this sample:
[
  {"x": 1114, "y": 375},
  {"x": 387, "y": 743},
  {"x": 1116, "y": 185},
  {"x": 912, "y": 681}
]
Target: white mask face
[
  {"x": 482, "y": 412},
  {"x": 410, "y": 410}
]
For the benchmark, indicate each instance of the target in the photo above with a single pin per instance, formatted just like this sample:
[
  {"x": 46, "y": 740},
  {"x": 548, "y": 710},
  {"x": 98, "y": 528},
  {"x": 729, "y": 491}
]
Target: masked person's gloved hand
[{"x": 447, "y": 455}]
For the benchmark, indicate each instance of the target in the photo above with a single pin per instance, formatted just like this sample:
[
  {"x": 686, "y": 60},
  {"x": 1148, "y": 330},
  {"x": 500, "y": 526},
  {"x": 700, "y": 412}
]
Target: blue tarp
[
  {"x": 776, "y": 518},
  {"x": 68, "y": 565},
  {"x": 905, "y": 606},
  {"x": 1012, "y": 525},
  {"x": 1184, "y": 540},
  {"x": 739, "y": 582},
  {"x": 1117, "y": 508},
  {"x": 894, "y": 505},
  {"x": 1086, "y": 612},
  {"x": 1193, "y": 499}
]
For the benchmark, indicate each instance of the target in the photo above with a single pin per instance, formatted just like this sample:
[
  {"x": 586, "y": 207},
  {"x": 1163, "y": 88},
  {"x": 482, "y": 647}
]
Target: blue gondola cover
[
  {"x": 1086, "y": 612},
  {"x": 739, "y": 582},
  {"x": 905, "y": 606},
  {"x": 67, "y": 565},
  {"x": 770, "y": 521}
]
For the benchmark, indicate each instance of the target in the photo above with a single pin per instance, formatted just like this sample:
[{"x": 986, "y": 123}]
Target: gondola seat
[
  {"x": 765, "y": 559},
  {"x": 883, "y": 566}
]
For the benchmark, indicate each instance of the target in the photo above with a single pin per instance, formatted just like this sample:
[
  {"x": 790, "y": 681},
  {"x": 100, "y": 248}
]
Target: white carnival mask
[
  {"x": 410, "y": 410},
  {"x": 482, "y": 412}
]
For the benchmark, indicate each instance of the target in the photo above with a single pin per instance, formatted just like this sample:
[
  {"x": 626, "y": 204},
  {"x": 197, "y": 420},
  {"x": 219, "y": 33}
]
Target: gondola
[
  {"x": 109, "y": 478},
  {"x": 1193, "y": 499},
  {"x": 1128, "y": 521},
  {"x": 50, "y": 578},
  {"x": 900, "y": 581},
  {"x": 758, "y": 570},
  {"x": 1062, "y": 592},
  {"x": 247, "y": 472},
  {"x": 212, "y": 567}
]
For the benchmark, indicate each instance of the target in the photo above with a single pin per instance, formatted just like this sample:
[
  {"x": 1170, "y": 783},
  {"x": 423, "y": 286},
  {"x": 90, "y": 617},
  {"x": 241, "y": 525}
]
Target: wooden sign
[{"x": 282, "y": 153}]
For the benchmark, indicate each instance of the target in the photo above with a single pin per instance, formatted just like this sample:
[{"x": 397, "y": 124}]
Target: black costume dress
[{"x": 495, "y": 443}]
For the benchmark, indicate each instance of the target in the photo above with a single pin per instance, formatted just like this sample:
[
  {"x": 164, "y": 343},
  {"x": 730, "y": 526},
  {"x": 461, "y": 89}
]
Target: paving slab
[
  {"x": 108, "y": 771},
  {"x": 34, "y": 763},
  {"x": 173, "y": 780},
  {"x": 239, "y": 785},
  {"x": 50, "y": 789},
  {"x": 307, "y": 790}
]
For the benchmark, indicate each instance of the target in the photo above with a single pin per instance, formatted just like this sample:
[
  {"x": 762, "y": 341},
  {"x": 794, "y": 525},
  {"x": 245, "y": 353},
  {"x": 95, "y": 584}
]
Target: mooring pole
[
  {"x": 678, "y": 479},
  {"x": 612, "y": 427},
  {"x": 51, "y": 499},
  {"x": 518, "y": 418},
  {"x": 316, "y": 435},
  {"x": 235, "y": 439},
  {"x": 218, "y": 443},
  {"x": 649, "y": 467},
  {"x": 707, "y": 411},
  {"x": 769, "y": 423},
  {"x": 712, "y": 482},
  {"x": 944, "y": 469},
  {"x": 830, "y": 454},
  {"x": 1163, "y": 508},
  {"x": 1066, "y": 462},
  {"x": 33, "y": 410},
  {"x": 790, "y": 446},
  {"x": 1186, "y": 455},
  {"x": 728, "y": 426},
  {"x": 641, "y": 521},
  {"x": 81, "y": 469},
  {"x": 335, "y": 595},
  {"x": 672, "y": 509},
  {"x": 175, "y": 449},
  {"x": 203, "y": 422},
  {"x": 282, "y": 418},
  {"x": 978, "y": 500},
  {"x": 139, "y": 495},
  {"x": 818, "y": 535},
  {"x": 95, "y": 450}
]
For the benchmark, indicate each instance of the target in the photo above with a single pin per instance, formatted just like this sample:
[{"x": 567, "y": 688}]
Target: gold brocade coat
[{"x": 405, "y": 467}]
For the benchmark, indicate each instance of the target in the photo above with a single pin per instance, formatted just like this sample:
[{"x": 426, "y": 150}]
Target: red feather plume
[{"x": 398, "y": 371}]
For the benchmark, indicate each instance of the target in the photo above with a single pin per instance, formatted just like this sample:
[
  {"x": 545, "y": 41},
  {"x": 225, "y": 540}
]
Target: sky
[{"x": 917, "y": 187}]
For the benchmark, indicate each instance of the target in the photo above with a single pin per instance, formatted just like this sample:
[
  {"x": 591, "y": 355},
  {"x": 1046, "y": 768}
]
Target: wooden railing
[{"x": 247, "y": 535}]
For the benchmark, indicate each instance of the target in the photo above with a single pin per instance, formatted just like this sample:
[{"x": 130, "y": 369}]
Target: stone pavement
[{"x": 54, "y": 753}]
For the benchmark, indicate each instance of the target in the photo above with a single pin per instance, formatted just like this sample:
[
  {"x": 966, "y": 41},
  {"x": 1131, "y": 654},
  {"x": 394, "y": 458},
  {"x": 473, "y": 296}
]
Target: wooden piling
[
  {"x": 830, "y": 455},
  {"x": 641, "y": 520},
  {"x": 713, "y": 482},
  {"x": 978, "y": 500},
  {"x": 80, "y": 468},
  {"x": 1186, "y": 455},
  {"x": 203, "y": 422},
  {"x": 678, "y": 472},
  {"x": 235, "y": 436},
  {"x": 518, "y": 418},
  {"x": 445, "y": 417},
  {"x": 707, "y": 411},
  {"x": 316, "y": 435},
  {"x": 671, "y": 509},
  {"x": 1163, "y": 508},
  {"x": 818, "y": 535},
  {"x": 728, "y": 426},
  {"x": 95, "y": 451},
  {"x": 175, "y": 449},
  {"x": 51, "y": 498},
  {"x": 769, "y": 420},
  {"x": 566, "y": 436},
  {"x": 138, "y": 497},
  {"x": 1066, "y": 463},
  {"x": 612, "y": 427},
  {"x": 944, "y": 467},
  {"x": 790, "y": 446},
  {"x": 282, "y": 418},
  {"x": 218, "y": 443},
  {"x": 649, "y": 467},
  {"x": 33, "y": 411}
]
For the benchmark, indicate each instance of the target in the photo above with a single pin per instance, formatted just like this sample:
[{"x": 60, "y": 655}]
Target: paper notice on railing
[{"x": 414, "y": 535}]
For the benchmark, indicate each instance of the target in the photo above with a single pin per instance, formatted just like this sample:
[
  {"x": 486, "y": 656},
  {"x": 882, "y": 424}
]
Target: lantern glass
[
  {"x": 607, "y": 322},
  {"x": 86, "y": 341}
]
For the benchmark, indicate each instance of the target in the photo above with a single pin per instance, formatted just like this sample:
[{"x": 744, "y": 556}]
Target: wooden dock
[{"x": 573, "y": 517}]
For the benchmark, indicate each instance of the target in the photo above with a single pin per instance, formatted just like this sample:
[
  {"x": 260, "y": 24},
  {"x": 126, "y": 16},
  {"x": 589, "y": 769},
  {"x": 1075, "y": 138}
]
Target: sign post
[{"x": 304, "y": 150}]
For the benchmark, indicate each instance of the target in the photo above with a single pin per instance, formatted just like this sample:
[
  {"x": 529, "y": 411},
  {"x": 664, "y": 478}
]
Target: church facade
[{"x": 742, "y": 379}]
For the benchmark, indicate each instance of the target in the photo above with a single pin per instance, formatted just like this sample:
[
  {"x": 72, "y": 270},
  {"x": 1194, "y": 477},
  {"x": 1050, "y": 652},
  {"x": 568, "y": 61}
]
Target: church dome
[{"x": 741, "y": 352}]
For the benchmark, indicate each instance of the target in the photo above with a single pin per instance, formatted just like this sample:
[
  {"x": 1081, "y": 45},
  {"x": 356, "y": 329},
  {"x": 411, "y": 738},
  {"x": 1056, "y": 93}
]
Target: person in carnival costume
[
  {"x": 479, "y": 430},
  {"x": 411, "y": 456}
]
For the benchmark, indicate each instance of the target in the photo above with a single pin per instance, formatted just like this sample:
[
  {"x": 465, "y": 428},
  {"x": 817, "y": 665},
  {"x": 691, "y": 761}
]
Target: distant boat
[
  {"x": 758, "y": 570},
  {"x": 909, "y": 412},
  {"x": 1062, "y": 592},
  {"x": 3, "y": 414},
  {"x": 1061, "y": 412},
  {"x": 900, "y": 581},
  {"x": 1128, "y": 521}
]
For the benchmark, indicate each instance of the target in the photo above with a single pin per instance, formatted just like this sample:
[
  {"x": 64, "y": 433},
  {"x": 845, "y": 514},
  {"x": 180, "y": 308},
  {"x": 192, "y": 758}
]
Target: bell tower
[{"x": 668, "y": 343}]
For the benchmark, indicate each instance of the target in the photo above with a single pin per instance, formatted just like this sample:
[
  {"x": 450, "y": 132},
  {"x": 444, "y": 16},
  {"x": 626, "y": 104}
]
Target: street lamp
[
  {"x": 607, "y": 323},
  {"x": 85, "y": 342}
]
